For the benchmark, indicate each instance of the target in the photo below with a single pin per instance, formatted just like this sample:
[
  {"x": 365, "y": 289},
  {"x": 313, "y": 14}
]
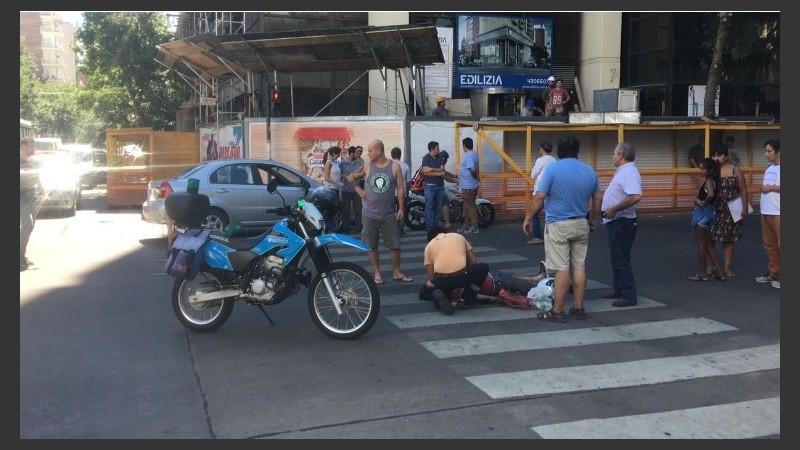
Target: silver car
[
  {"x": 236, "y": 189},
  {"x": 61, "y": 181}
]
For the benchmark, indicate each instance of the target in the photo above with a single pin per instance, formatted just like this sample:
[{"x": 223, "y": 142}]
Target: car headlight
[{"x": 57, "y": 179}]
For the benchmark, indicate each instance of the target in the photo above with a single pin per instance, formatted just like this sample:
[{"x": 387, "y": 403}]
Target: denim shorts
[{"x": 703, "y": 216}]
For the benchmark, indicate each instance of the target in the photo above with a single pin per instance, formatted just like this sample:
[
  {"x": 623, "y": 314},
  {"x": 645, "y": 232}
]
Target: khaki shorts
[
  {"x": 372, "y": 229},
  {"x": 566, "y": 243}
]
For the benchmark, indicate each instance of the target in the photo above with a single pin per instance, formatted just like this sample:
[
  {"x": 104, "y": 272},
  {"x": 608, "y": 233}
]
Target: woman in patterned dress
[{"x": 732, "y": 185}]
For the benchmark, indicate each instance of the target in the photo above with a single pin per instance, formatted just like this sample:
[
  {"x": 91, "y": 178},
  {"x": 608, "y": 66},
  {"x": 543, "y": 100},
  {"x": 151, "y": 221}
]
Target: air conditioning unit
[{"x": 613, "y": 100}]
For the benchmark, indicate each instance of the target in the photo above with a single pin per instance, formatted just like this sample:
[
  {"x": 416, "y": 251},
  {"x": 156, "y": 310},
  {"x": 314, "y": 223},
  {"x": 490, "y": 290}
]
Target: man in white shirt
[
  {"x": 618, "y": 210},
  {"x": 771, "y": 213},
  {"x": 544, "y": 160},
  {"x": 396, "y": 154}
]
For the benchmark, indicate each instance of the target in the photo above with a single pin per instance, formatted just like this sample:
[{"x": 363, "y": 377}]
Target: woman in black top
[{"x": 703, "y": 220}]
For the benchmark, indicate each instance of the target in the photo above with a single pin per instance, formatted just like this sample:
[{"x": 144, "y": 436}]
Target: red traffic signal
[{"x": 276, "y": 96}]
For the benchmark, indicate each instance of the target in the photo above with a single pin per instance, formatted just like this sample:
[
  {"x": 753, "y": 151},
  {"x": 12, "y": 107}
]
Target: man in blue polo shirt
[{"x": 568, "y": 185}]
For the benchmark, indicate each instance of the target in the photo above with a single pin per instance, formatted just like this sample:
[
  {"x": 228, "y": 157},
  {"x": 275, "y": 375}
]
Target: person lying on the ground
[{"x": 493, "y": 286}]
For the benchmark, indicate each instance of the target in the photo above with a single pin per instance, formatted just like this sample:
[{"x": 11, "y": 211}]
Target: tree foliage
[
  {"x": 129, "y": 88},
  {"x": 28, "y": 83},
  {"x": 731, "y": 38}
]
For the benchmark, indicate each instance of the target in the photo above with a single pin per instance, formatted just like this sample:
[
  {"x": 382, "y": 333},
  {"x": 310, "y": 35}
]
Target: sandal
[
  {"x": 719, "y": 275},
  {"x": 578, "y": 313},
  {"x": 698, "y": 277},
  {"x": 552, "y": 316}
]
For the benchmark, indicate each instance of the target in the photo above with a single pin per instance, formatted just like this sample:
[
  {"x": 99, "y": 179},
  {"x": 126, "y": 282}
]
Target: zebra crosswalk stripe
[
  {"x": 570, "y": 338},
  {"x": 493, "y": 314},
  {"x": 741, "y": 420},
  {"x": 641, "y": 372}
]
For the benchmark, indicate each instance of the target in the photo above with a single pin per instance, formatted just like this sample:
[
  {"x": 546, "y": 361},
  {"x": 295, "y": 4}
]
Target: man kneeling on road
[{"x": 446, "y": 258}]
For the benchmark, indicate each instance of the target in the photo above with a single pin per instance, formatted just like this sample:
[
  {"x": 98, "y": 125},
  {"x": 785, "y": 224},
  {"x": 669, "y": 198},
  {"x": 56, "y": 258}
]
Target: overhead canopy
[{"x": 363, "y": 48}]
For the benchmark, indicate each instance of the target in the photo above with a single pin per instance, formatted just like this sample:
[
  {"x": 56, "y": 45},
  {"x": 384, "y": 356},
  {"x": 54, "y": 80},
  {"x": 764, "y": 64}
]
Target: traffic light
[{"x": 276, "y": 96}]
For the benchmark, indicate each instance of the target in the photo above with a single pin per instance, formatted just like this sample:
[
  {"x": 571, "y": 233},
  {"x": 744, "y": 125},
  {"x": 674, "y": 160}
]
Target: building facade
[
  {"x": 51, "y": 41},
  {"x": 657, "y": 55}
]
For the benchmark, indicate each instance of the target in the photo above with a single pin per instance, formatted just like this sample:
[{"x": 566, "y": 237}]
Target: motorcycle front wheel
[
  {"x": 358, "y": 298},
  {"x": 485, "y": 215},
  {"x": 207, "y": 316},
  {"x": 415, "y": 215}
]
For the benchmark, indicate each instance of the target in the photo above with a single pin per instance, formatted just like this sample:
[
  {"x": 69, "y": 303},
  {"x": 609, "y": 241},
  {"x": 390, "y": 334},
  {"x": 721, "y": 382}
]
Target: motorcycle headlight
[{"x": 312, "y": 214}]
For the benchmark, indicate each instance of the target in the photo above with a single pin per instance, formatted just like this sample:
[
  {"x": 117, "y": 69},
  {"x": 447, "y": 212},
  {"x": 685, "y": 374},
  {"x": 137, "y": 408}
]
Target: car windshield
[{"x": 52, "y": 159}]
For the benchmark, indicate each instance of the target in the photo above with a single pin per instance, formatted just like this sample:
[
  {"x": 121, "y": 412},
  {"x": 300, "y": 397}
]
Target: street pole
[{"x": 269, "y": 114}]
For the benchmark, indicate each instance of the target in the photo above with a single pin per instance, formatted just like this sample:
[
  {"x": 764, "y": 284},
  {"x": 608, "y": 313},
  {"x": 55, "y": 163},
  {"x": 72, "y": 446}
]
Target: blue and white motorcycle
[{"x": 264, "y": 270}]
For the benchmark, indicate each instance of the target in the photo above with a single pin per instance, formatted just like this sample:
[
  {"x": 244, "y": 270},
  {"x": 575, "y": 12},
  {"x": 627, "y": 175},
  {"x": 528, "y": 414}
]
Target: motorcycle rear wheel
[
  {"x": 415, "y": 222},
  {"x": 360, "y": 301},
  {"x": 205, "y": 317},
  {"x": 485, "y": 215}
]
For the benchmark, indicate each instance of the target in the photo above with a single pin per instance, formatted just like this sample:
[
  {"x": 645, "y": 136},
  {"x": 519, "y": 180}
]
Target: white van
[{"x": 48, "y": 144}]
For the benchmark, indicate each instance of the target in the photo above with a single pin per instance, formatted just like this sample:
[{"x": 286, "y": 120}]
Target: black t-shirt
[{"x": 433, "y": 163}]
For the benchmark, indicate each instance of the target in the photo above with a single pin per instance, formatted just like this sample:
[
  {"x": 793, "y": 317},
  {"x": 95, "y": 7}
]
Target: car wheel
[{"x": 216, "y": 219}]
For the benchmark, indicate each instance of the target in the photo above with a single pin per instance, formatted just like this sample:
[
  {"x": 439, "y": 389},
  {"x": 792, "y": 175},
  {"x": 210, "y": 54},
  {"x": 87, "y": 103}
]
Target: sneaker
[
  {"x": 464, "y": 229},
  {"x": 766, "y": 279},
  {"x": 776, "y": 284},
  {"x": 535, "y": 241},
  {"x": 445, "y": 305},
  {"x": 542, "y": 269},
  {"x": 474, "y": 230}
]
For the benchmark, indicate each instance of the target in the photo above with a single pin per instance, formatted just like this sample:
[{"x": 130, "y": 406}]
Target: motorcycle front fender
[
  {"x": 325, "y": 239},
  {"x": 479, "y": 201}
]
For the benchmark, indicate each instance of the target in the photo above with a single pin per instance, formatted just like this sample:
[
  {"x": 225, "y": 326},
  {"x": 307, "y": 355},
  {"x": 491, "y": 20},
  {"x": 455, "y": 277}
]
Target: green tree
[
  {"x": 715, "y": 70},
  {"x": 734, "y": 37},
  {"x": 129, "y": 88},
  {"x": 28, "y": 83}
]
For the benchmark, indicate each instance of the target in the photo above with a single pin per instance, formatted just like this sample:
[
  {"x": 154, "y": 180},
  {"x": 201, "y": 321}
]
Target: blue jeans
[
  {"x": 434, "y": 195},
  {"x": 537, "y": 226},
  {"x": 621, "y": 234}
]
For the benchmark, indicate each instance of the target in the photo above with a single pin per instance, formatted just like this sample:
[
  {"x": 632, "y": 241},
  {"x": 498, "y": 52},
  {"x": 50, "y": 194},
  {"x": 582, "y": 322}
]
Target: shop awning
[{"x": 363, "y": 48}]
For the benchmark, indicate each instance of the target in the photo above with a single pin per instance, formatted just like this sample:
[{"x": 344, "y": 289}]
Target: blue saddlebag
[{"x": 184, "y": 258}]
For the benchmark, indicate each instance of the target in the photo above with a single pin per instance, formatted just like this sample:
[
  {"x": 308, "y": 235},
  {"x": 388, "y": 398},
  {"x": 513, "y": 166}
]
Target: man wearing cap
[
  {"x": 551, "y": 83},
  {"x": 440, "y": 110},
  {"x": 530, "y": 109}
]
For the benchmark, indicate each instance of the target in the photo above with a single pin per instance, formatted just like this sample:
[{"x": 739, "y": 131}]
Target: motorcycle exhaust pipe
[{"x": 203, "y": 297}]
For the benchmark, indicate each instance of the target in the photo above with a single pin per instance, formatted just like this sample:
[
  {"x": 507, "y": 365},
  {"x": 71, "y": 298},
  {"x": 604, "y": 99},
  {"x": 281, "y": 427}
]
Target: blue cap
[{"x": 529, "y": 102}]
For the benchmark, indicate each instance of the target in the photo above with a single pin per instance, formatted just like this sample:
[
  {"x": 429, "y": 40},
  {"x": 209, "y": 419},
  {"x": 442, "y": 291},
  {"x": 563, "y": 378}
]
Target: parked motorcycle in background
[
  {"x": 264, "y": 270},
  {"x": 415, "y": 209}
]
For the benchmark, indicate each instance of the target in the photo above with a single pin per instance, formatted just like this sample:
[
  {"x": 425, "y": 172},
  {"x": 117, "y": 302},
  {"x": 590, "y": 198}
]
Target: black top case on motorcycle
[{"x": 187, "y": 210}]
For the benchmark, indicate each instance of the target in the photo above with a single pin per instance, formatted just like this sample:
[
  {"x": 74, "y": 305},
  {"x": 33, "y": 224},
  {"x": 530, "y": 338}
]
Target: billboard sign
[{"x": 503, "y": 51}]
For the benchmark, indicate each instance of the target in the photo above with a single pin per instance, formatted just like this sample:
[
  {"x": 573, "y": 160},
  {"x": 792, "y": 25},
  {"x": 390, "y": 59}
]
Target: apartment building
[{"x": 51, "y": 41}]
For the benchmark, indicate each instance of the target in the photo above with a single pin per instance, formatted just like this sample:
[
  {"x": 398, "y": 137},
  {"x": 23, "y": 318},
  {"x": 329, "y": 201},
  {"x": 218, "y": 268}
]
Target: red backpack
[{"x": 417, "y": 183}]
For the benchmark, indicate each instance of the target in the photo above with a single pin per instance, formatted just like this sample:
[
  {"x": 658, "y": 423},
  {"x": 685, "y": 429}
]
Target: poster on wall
[
  {"x": 302, "y": 144},
  {"x": 697, "y": 100},
  {"x": 221, "y": 143},
  {"x": 503, "y": 51},
  {"x": 439, "y": 76}
]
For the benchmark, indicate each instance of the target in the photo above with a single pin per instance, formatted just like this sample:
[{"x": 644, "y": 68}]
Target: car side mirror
[{"x": 272, "y": 186}]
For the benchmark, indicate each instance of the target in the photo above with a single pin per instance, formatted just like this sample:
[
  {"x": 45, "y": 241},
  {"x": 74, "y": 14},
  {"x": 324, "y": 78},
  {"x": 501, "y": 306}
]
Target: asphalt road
[{"x": 103, "y": 356}]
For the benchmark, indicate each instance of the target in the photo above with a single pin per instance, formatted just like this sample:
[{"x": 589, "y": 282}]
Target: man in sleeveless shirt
[{"x": 383, "y": 183}]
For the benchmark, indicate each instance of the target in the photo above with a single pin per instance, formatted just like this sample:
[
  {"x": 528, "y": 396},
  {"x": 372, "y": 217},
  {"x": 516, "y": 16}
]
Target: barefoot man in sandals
[
  {"x": 380, "y": 211},
  {"x": 568, "y": 185}
]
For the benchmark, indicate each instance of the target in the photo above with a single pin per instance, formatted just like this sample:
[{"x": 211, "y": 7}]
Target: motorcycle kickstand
[{"x": 265, "y": 314}]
